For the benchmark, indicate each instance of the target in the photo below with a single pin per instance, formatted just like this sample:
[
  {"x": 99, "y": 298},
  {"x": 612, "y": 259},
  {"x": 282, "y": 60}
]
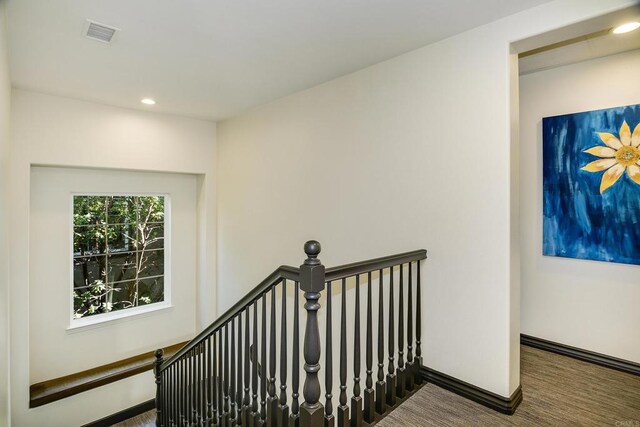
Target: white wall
[
  {"x": 586, "y": 304},
  {"x": 410, "y": 153},
  {"x": 5, "y": 94},
  {"x": 53, "y": 131},
  {"x": 55, "y": 349}
]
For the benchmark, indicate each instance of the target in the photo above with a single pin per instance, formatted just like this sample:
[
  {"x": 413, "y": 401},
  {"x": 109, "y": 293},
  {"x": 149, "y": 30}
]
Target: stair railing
[{"x": 221, "y": 377}]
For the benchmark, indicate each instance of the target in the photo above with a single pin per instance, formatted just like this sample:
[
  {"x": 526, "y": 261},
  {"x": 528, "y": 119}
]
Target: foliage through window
[{"x": 118, "y": 253}]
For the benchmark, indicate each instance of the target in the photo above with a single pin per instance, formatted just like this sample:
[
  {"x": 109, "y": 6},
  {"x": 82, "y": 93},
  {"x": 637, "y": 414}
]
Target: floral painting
[{"x": 591, "y": 190}]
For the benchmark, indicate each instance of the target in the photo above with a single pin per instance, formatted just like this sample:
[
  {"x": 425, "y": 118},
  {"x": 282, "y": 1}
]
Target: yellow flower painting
[{"x": 619, "y": 154}]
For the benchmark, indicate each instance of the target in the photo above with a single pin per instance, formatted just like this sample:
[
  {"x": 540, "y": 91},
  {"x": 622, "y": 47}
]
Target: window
[{"x": 118, "y": 253}]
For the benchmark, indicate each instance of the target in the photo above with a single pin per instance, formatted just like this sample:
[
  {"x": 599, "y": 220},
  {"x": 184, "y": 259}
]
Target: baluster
[
  {"x": 312, "y": 283},
  {"x": 255, "y": 415},
  {"x": 294, "y": 419},
  {"x": 356, "y": 399},
  {"x": 343, "y": 409},
  {"x": 263, "y": 364},
  {"x": 239, "y": 419},
  {"x": 225, "y": 380},
  {"x": 272, "y": 400},
  {"x": 202, "y": 415},
  {"x": 173, "y": 420},
  {"x": 191, "y": 379},
  {"x": 214, "y": 379},
  {"x": 283, "y": 413},
  {"x": 156, "y": 370},
  {"x": 369, "y": 395},
  {"x": 181, "y": 395},
  {"x": 232, "y": 376},
  {"x": 418, "y": 358},
  {"x": 246, "y": 401},
  {"x": 329, "y": 419},
  {"x": 201, "y": 412},
  {"x": 391, "y": 378},
  {"x": 410, "y": 365},
  {"x": 400, "y": 372},
  {"x": 221, "y": 410},
  {"x": 381, "y": 396},
  {"x": 209, "y": 383}
]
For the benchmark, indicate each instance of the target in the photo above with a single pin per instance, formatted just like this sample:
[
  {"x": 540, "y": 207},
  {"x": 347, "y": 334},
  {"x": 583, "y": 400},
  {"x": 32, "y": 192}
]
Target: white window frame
[{"x": 96, "y": 319}]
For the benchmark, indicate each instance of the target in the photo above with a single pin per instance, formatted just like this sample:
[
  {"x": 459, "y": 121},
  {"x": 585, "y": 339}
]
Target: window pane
[
  {"x": 151, "y": 209},
  {"x": 89, "y": 240},
  {"x": 122, "y": 210},
  {"x": 88, "y": 270},
  {"x": 121, "y": 238},
  {"x": 152, "y": 237},
  {"x": 151, "y": 290},
  {"x": 124, "y": 295},
  {"x": 89, "y": 210},
  {"x": 151, "y": 263},
  {"x": 92, "y": 300},
  {"x": 122, "y": 266}
]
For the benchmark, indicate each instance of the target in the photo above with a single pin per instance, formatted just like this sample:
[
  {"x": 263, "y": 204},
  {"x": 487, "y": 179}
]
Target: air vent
[{"x": 100, "y": 32}]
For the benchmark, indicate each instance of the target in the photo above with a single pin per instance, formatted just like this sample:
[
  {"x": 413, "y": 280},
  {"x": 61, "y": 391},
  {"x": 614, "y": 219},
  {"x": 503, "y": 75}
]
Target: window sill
[
  {"x": 99, "y": 320},
  {"x": 60, "y": 388}
]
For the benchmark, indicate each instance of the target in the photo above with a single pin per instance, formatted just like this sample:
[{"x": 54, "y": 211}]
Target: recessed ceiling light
[
  {"x": 625, "y": 28},
  {"x": 148, "y": 101}
]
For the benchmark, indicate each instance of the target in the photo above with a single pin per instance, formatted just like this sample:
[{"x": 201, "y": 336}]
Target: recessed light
[
  {"x": 148, "y": 101},
  {"x": 625, "y": 28}
]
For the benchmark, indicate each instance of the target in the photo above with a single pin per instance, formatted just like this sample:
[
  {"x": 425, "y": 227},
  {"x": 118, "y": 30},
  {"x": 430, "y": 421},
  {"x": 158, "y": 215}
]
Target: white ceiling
[{"x": 215, "y": 58}]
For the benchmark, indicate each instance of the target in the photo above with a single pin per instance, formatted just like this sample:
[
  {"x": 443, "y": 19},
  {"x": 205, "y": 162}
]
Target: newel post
[
  {"x": 156, "y": 371},
  {"x": 312, "y": 282}
]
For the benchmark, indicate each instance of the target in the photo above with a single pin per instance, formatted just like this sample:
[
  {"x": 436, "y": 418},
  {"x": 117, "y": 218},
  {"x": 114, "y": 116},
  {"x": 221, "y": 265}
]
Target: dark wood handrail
[
  {"x": 348, "y": 270},
  {"x": 293, "y": 274},
  {"x": 58, "y": 388},
  {"x": 283, "y": 272}
]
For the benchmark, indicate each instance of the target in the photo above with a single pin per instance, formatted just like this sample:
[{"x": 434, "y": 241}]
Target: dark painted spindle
[
  {"x": 343, "y": 409},
  {"x": 239, "y": 420},
  {"x": 400, "y": 372},
  {"x": 294, "y": 419},
  {"x": 381, "y": 395},
  {"x": 156, "y": 370},
  {"x": 263, "y": 363},
  {"x": 246, "y": 401},
  {"x": 255, "y": 415},
  {"x": 272, "y": 400},
  {"x": 226, "y": 375},
  {"x": 232, "y": 376},
  {"x": 410, "y": 364},
  {"x": 214, "y": 379},
  {"x": 312, "y": 274},
  {"x": 283, "y": 409},
  {"x": 329, "y": 419},
  {"x": 391, "y": 377},
  {"x": 418, "y": 359},
  {"x": 369, "y": 394},
  {"x": 198, "y": 383},
  {"x": 209, "y": 383},
  {"x": 190, "y": 409},
  {"x": 356, "y": 399},
  {"x": 221, "y": 411}
]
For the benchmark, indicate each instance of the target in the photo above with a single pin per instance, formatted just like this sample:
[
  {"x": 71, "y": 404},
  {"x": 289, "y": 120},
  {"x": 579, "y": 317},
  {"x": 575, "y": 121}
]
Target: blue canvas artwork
[{"x": 591, "y": 174}]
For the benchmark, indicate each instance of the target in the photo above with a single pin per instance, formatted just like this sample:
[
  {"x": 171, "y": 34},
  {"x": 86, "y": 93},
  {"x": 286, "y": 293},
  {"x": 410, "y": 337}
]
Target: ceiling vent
[{"x": 100, "y": 32}]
